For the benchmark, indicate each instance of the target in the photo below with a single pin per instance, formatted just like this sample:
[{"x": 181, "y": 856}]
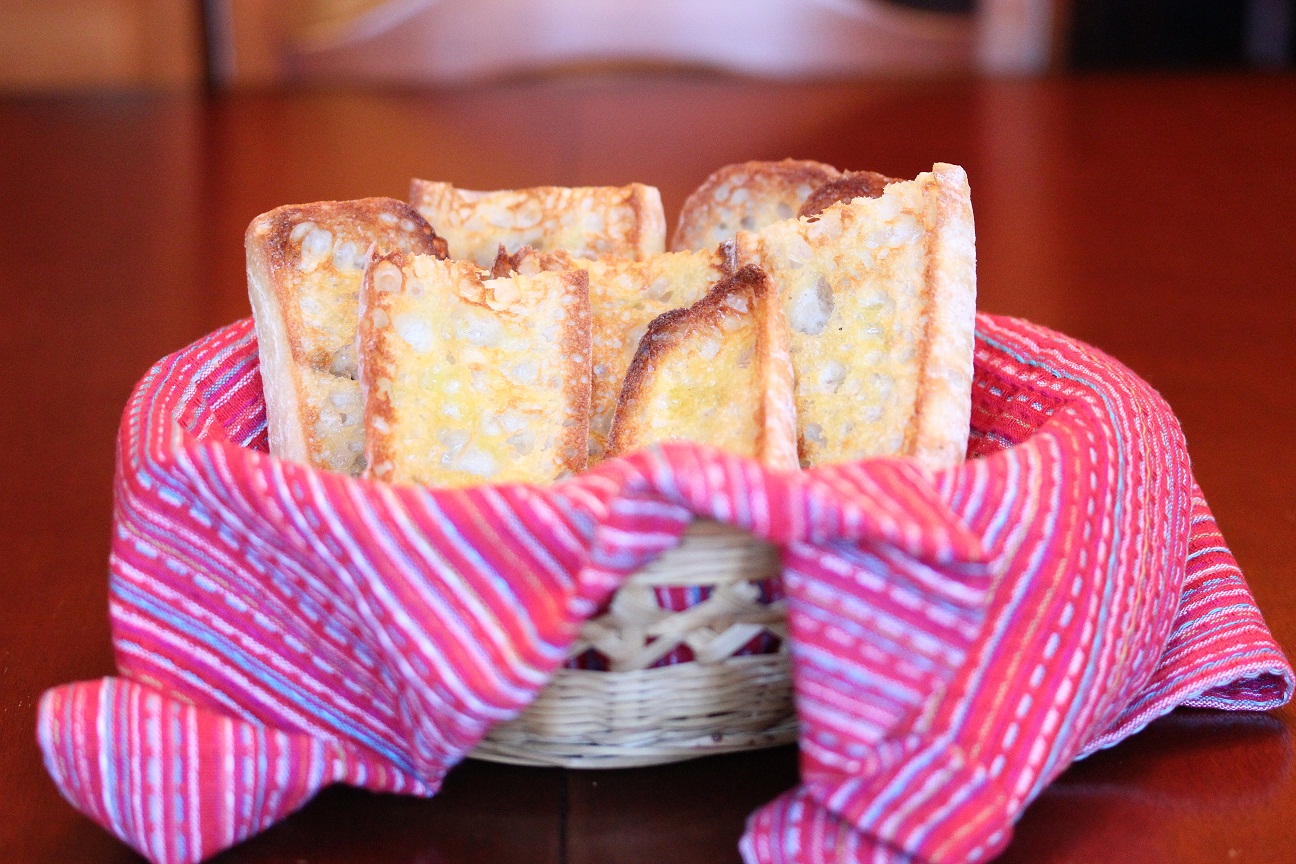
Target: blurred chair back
[{"x": 270, "y": 42}]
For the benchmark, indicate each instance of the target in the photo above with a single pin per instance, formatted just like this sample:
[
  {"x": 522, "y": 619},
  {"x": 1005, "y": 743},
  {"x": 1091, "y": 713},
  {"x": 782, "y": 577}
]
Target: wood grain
[{"x": 1153, "y": 217}]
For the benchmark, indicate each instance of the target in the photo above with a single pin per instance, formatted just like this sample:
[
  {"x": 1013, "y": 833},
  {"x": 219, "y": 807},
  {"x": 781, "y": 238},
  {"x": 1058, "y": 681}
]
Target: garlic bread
[
  {"x": 716, "y": 373},
  {"x": 469, "y": 379},
  {"x": 880, "y": 297},
  {"x": 304, "y": 266},
  {"x": 625, "y": 296}
]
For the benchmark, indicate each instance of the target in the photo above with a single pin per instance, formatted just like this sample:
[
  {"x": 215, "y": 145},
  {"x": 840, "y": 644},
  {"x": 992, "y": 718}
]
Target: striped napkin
[{"x": 957, "y": 637}]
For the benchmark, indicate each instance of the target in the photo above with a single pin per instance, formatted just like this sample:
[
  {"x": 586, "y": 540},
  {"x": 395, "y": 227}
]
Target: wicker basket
[{"x": 633, "y": 714}]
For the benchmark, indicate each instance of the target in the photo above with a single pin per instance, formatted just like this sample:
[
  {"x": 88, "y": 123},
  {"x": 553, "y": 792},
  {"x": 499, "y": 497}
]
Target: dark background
[
  {"x": 1180, "y": 34},
  {"x": 1168, "y": 34}
]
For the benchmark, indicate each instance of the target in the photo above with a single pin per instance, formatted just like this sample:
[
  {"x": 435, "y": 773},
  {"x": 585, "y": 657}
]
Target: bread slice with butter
[
  {"x": 746, "y": 196},
  {"x": 469, "y": 379},
  {"x": 587, "y": 221},
  {"x": 880, "y": 297},
  {"x": 304, "y": 266},
  {"x": 718, "y": 373},
  {"x": 625, "y": 296}
]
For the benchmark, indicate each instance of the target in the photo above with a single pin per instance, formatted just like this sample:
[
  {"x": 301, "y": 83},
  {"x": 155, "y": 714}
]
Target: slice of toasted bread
[
  {"x": 746, "y": 196},
  {"x": 588, "y": 221},
  {"x": 304, "y": 265},
  {"x": 625, "y": 296},
  {"x": 469, "y": 379},
  {"x": 717, "y": 373},
  {"x": 880, "y": 297}
]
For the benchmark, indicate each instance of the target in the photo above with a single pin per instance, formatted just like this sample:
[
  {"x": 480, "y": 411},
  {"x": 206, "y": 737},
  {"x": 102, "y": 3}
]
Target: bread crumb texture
[
  {"x": 306, "y": 262},
  {"x": 858, "y": 288},
  {"x": 587, "y": 221},
  {"x": 470, "y": 379},
  {"x": 696, "y": 377},
  {"x": 625, "y": 296},
  {"x": 747, "y": 196}
]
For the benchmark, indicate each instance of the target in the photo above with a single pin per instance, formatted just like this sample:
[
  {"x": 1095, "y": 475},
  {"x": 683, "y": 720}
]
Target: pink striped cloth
[{"x": 958, "y": 637}]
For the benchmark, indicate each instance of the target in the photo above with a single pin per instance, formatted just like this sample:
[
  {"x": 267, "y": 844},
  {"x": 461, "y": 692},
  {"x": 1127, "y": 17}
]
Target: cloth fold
[
  {"x": 957, "y": 637},
  {"x": 1114, "y": 600}
]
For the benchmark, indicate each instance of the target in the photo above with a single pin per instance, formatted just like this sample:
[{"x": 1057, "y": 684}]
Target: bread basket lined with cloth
[{"x": 956, "y": 638}]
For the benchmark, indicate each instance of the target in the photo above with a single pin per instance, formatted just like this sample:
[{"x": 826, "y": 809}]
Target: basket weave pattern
[{"x": 635, "y": 714}]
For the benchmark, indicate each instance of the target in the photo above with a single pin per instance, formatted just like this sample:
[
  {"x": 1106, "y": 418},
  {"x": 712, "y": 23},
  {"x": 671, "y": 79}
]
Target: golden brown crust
[
  {"x": 880, "y": 297},
  {"x": 923, "y": 350},
  {"x": 776, "y": 446},
  {"x": 309, "y": 257},
  {"x": 271, "y": 234},
  {"x": 527, "y": 259},
  {"x": 848, "y": 187},
  {"x": 625, "y": 296},
  {"x": 938, "y": 431},
  {"x": 746, "y": 294},
  {"x": 576, "y": 343},
  {"x": 746, "y": 196},
  {"x": 664, "y": 331},
  {"x": 647, "y": 234},
  {"x": 373, "y": 351},
  {"x": 589, "y": 221},
  {"x": 506, "y": 264}
]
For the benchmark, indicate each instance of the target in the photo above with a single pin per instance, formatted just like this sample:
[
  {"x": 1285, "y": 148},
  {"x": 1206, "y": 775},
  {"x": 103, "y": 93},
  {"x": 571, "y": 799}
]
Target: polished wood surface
[{"x": 1152, "y": 217}]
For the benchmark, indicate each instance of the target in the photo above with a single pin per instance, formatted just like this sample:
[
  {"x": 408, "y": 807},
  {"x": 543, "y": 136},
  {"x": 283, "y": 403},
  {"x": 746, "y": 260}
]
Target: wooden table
[{"x": 1153, "y": 217}]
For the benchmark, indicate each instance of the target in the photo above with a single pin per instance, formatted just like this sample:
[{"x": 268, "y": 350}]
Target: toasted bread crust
[
  {"x": 647, "y": 234},
  {"x": 745, "y": 295},
  {"x": 938, "y": 431},
  {"x": 303, "y": 300},
  {"x": 880, "y": 295},
  {"x": 406, "y": 298},
  {"x": 577, "y": 383},
  {"x": 528, "y": 259},
  {"x": 777, "y": 445},
  {"x": 374, "y": 352},
  {"x": 588, "y": 221},
  {"x": 746, "y": 196},
  {"x": 848, "y": 187}
]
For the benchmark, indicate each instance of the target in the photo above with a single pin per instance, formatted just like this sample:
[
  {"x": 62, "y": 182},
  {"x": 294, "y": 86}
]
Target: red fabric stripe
[{"x": 957, "y": 637}]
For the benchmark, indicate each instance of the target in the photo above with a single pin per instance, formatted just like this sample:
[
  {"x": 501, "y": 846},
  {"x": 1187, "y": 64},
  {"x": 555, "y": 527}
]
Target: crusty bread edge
[
  {"x": 846, "y": 188},
  {"x": 370, "y": 354},
  {"x": 776, "y": 443},
  {"x": 278, "y": 321},
  {"x": 423, "y": 193},
  {"x": 650, "y": 221},
  {"x": 660, "y": 336},
  {"x": 279, "y": 378},
  {"x": 701, "y": 199},
  {"x": 578, "y": 341},
  {"x": 648, "y": 236},
  {"x": 777, "y": 447},
  {"x": 938, "y": 433}
]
